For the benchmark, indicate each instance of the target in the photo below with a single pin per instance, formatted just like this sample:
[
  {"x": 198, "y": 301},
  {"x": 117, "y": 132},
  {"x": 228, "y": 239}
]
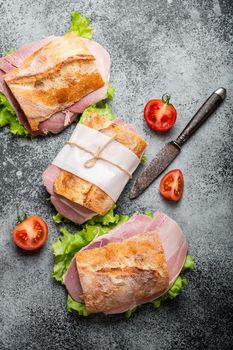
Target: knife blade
[
  {"x": 171, "y": 150},
  {"x": 166, "y": 155}
]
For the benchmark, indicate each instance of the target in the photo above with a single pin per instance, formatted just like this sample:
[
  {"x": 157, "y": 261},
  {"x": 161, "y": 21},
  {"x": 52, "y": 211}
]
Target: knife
[{"x": 171, "y": 150}]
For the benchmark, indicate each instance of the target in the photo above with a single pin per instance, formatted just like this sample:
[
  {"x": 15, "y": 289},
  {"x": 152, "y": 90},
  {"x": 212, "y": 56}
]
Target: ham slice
[
  {"x": 58, "y": 121},
  {"x": 12, "y": 61},
  {"x": 103, "y": 63},
  {"x": 65, "y": 207},
  {"x": 15, "y": 59},
  {"x": 172, "y": 238},
  {"x": 14, "y": 104},
  {"x": 136, "y": 224},
  {"x": 70, "y": 210},
  {"x": 72, "y": 282},
  {"x": 128, "y": 126}
]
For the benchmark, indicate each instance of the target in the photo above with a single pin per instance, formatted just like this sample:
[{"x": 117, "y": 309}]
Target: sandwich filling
[
  {"x": 53, "y": 78},
  {"x": 123, "y": 273},
  {"x": 98, "y": 187},
  {"x": 135, "y": 263},
  {"x": 37, "y": 63}
]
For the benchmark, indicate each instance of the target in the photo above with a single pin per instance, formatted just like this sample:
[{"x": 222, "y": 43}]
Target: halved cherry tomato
[
  {"x": 160, "y": 115},
  {"x": 172, "y": 185},
  {"x": 31, "y": 233}
]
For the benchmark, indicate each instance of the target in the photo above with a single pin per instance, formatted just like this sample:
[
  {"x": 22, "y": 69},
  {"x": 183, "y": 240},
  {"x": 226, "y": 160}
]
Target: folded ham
[
  {"x": 79, "y": 198},
  {"x": 135, "y": 263},
  {"x": 51, "y": 81}
]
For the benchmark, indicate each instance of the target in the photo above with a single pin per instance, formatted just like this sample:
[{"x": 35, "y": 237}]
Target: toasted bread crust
[
  {"x": 83, "y": 192},
  {"x": 126, "y": 137},
  {"x": 122, "y": 274},
  {"x": 53, "y": 78}
]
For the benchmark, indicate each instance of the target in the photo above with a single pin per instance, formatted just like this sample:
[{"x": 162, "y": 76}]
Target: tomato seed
[{"x": 22, "y": 235}]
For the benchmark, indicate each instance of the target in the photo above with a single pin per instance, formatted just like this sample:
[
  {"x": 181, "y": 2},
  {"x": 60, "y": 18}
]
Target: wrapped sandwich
[
  {"x": 90, "y": 172},
  {"x": 51, "y": 81},
  {"x": 136, "y": 262}
]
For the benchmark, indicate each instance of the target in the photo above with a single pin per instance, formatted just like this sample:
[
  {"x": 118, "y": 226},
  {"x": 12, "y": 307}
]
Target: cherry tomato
[
  {"x": 172, "y": 185},
  {"x": 160, "y": 115},
  {"x": 31, "y": 233}
]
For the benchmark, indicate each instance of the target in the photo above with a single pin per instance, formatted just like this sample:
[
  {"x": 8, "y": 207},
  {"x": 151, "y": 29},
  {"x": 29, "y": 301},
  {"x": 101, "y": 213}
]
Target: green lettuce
[
  {"x": 68, "y": 243},
  {"x": 58, "y": 218},
  {"x": 172, "y": 293},
  {"x": 80, "y": 25},
  {"x": 73, "y": 305},
  {"x": 189, "y": 264},
  {"x": 130, "y": 312},
  {"x": 175, "y": 289},
  {"x": 107, "y": 219},
  {"x": 64, "y": 248},
  {"x": 143, "y": 159},
  {"x": 149, "y": 213},
  {"x": 110, "y": 92},
  {"x": 101, "y": 108},
  {"x": 8, "y": 118},
  {"x": 178, "y": 285},
  {"x": 5, "y": 52}
]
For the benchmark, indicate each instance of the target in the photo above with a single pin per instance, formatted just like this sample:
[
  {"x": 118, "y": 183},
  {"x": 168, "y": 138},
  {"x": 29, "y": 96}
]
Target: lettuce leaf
[
  {"x": 8, "y": 118},
  {"x": 149, "y": 213},
  {"x": 189, "y": 264},
  {"x": 130, "y": 312},
  {"x": 64, "y": 248},
  {"x": 110, "y": 92},
  {"x": 73, "y": 305},
  {"x": 5, "y": 52},
  {"x": 107, "y": 219},
  {"x": 143, "y": 159},
  {"x": 80, "y": 25},
  {"x": 175, "y": 289},
  {"x": 178, "y": 285},
  {"x": 101, "y": 108},
  {"x": 58, "y": 218},
  {"x": 172, "y": 293},
  {"x": 68, "y": 243}
]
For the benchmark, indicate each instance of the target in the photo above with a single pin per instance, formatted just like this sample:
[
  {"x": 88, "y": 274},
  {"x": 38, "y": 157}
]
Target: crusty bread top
[
  {"x": 54, "y": 77},
  {"x": 85, "y": 193},
  {"x": 120, "y": 275},
  {"x": 82, "y": 192},
  {"x": 126, "y": 137}
]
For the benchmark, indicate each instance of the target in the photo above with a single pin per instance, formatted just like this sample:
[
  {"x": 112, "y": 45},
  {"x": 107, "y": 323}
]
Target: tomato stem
[
  {"x": 166, "y": 98},
  {"x": 19, "y": 218}
]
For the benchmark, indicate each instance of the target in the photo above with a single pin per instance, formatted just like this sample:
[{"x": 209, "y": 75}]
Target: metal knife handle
[{"x": 202, "y": 114}]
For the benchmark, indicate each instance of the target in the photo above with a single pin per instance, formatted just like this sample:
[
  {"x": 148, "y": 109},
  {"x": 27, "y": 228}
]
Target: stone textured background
[{"x": 181, "y": 47}]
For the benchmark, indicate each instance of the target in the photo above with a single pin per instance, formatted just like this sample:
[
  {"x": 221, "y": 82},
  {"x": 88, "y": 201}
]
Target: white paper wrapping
[{"x": 106, "y": 176}]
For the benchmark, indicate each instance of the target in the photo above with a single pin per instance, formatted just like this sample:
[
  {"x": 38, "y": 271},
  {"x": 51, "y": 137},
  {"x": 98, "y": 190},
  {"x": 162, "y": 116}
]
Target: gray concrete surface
[{"x": 181, "y": 47}]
